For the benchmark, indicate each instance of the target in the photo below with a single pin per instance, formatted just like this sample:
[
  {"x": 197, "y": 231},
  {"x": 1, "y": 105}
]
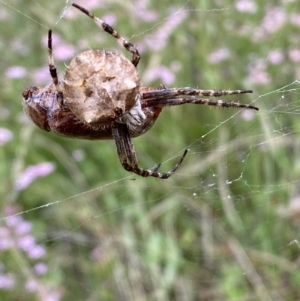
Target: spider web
[{"x": 75, "y": 225}]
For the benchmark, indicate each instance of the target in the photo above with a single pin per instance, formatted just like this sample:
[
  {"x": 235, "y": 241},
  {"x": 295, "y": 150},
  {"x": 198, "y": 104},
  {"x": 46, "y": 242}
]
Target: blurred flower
[
  {"x": 41, "y": 76},
  {"x": 53, "y": 296},
  {"x": 294, "y": 55},
  {"x": 218, "y": 55},
  {"x": 5, "y": 136},
  {"x": 295, "y": 19},
  {"x": 13, "y": 221},
  {"x": 141, "y": 11},
  {"x": 31, "y": 285},
  {"x": 61, "y": 50},
  {"x": 89, "y": 4},
  {"x": 246, "y": 6},
  {"x": 23, "y": 227},
  {"x": 258, "y": 74},
  {"x": 64, "y": 52},
  {"x": 16, "y": 234},
  {"x": 161, "y": 73},
  {"x": 248, "y": 115},
  {"x": 32, "y": 172},
  {"x": 41, "y": 268},
  {"x": 109, "y": 19},
  {"x": 6, "y": 241},
  {"x": 36, "y": 252},
  {"x": 26, "y": 242},
  {"x": 7, "y": 281},
  {"x": 273, "y": 21},
  {"x": 158, "y": 40},
  {"x": 275, "y": 56},
  {"x": 15, "y": 72}
]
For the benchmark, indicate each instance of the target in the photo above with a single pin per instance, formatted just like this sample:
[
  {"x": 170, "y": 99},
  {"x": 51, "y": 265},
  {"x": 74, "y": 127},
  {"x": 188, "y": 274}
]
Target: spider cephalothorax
[{"x": 100, "y": 98}]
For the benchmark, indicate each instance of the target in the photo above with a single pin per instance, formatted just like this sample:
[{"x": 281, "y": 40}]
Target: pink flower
[
  {"x": 5, "y": 136},
  {"x": 41, "y": 76},
  {"x": 159, "y": 39},
  {"x": 258, "y": 74},
  {"x": 33, "y": 172},
  {"x": 275, "y": 57},
  {"x": 161, "y": 73},
  {"x": 41, "y": 268},
  {"x": 295, "y": 19},
  {"x": 15, "y": 72},
  {"x": 273, "y": 21},
  {"x": 294, "y": 55},
  {"x": 246, "y": 6},
  {"x": 218, "y": 55},
  {"x": 7, "y": 281}
]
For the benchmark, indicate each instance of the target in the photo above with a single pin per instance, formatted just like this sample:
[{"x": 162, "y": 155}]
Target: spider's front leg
[{"x": 128, "y": 157}]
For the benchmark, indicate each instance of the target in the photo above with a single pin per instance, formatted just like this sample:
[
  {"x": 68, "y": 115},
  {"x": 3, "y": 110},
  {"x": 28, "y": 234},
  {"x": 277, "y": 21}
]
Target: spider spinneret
[{"x": 100, "y": 98}]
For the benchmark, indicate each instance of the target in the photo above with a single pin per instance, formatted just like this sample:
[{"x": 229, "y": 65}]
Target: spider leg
[
  {"x": 106, "y": 27},
  {"x": 174, "y": 97},
  {"x": 163, "y": 92},
  {"x": 52, "y": 69},
  {"x": 195, "y": 100},
  {"x": 128, "y": 157}
]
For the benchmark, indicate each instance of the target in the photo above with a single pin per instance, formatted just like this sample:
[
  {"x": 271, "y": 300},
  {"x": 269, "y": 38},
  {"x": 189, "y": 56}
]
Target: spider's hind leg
[{"x": 128, "y": 157}]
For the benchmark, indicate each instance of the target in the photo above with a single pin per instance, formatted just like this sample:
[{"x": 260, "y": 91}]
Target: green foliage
[{"x": 223, "y": 227}]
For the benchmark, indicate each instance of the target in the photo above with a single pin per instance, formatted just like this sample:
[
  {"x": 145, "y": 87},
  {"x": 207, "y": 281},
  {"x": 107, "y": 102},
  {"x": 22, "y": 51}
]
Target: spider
[{"x": 100, "y": 97}]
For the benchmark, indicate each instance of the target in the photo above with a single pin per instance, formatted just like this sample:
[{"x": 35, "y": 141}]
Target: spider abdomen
[{"x": 100, "y": 86}]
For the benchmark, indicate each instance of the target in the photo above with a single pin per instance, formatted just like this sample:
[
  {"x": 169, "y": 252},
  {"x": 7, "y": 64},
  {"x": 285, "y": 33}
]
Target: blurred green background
[{"x": 76, "y": 226}]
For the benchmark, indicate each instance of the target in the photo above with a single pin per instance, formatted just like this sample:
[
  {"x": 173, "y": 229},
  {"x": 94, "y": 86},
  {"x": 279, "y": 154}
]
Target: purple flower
[
  {"x": 218, "y": 55},
  {"x": 23, "y": 228},
  {"x": 7, "y": 281},
  {"x": 53, "y": 296},
  {"x": 275, "y": 56},
  {"x": 36, "y": 252},
  {"x": 272, "y": 22},
  {"x": 142, "y": 12},
  {"x": 5, "y": 244},
  {"x": 41, "y": 76},
  {"x": 64, "y": 52},
  {"x": 41, "y": 268},
  {"x": 258, "y": 73},
  {"x": 158, "y": 40},
  {"x": 161, "y": 73},
  {"x": 109, "y": 19},
  {"x": 295, "y": 19},
  {"x": 294, "y": 55},
  {"x": 246, "y": 6},
  {"x": 31, "y": 285},
  {"x": 32, "y": 172},
  {"x": 5, "y": 136},
  {"x": 248, "y": 115},
  {"x": 13, "y": 221},
  {"x": 26, "y": 243},
  {"x": 15, "y": 72}
]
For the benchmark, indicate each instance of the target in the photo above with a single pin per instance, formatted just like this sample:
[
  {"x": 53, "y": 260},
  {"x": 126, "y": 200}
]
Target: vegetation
[{"x": 76, "y": 226}]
